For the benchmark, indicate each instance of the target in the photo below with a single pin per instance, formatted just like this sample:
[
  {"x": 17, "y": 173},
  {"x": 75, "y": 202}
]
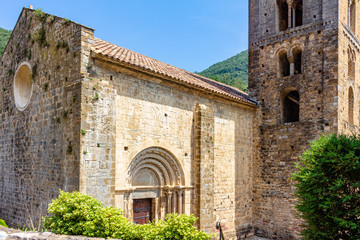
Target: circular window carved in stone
[{"x": 23, "y": 86}]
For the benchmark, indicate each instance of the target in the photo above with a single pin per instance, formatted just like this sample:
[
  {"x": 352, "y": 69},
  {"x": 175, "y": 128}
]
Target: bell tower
[{"x": 302, "y": 72}]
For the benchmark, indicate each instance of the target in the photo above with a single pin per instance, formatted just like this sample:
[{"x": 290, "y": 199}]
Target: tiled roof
[{"x": 147, "y": 64}]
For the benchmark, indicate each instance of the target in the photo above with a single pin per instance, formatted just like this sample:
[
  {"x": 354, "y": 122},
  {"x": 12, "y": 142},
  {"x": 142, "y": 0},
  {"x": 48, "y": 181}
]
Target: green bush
[
  {"x": 2, "y": 223},
  {"x": 175, "y": 226},
  {"x": 79, "y": 214},
  {"x": 328, "y": 188}
]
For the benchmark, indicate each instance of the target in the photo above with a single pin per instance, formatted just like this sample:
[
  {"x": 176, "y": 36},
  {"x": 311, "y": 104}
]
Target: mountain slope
[
  {"x": 4, "y": 38},
  {"x": 233, "y": 71}
]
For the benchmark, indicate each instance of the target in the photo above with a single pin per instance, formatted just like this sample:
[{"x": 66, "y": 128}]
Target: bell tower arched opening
[
  {"x": 351, "y": 64},
  {"x": 284, "y": 64},
  {"x": 283, "y": 11},
  {"x": 298, "y": 10},
  {"x": 297, "y": 55},
  {"x": 352, "y": 15},
  {"x": 291, "y": 105},
  {"x": 351, "y": 106}
]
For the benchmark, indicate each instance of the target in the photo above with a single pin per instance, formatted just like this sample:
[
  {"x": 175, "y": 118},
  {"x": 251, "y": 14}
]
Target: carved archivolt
[{"x": 164, "y": 165}]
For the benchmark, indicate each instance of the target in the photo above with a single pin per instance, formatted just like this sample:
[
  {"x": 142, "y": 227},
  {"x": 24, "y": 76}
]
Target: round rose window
[{"x": 23, "y": 86}]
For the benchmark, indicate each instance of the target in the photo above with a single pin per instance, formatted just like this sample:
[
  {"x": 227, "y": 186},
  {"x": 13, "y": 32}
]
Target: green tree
[
  {"x": 328, "y": 188},
  {"x": 4, "y": 38}
]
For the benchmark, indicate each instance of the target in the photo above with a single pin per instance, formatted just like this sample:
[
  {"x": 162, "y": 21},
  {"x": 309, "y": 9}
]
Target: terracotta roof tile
[{"x": 151, "y": 65}]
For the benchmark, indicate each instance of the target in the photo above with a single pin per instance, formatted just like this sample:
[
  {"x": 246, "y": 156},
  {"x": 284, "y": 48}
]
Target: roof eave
[{"x": 249, "y": 103}]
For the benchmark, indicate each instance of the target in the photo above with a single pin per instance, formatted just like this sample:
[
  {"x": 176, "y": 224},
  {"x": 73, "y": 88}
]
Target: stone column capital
[{"x": 180, "y": 192}]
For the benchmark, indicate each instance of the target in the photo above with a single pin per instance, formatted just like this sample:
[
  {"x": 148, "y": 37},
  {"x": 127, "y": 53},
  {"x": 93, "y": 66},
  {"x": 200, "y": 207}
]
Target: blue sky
[{"x": 190, "y": 34}]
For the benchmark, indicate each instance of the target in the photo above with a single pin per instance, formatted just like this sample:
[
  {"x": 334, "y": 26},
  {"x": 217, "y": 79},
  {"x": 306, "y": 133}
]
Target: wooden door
[{"x": 142, "y": 211}]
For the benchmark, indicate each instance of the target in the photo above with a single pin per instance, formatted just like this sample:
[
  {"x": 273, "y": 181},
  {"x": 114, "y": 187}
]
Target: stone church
[{"x": 80, "y": 113}]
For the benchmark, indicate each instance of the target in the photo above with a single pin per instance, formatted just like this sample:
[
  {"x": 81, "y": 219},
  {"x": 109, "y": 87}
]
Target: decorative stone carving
[{"x": 159, "y": 163}]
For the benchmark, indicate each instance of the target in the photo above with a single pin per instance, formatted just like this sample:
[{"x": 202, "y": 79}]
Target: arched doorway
[{"x": 155, "y": 180}]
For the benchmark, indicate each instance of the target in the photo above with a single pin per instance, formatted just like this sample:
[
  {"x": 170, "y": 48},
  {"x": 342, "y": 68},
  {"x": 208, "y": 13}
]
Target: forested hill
[
  {"x": 233, "y": 71},
  {"x": 4, "y": 37}
]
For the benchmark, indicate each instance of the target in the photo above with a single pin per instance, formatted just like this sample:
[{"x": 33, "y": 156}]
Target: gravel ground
[
  {"x": 2, "y": 235},
  {"x": 257, "y": 238},
  {"x": 4, "y": 232}
]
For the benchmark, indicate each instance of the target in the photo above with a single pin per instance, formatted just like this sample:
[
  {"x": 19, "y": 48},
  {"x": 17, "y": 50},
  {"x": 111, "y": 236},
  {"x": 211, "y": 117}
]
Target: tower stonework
[{"x": 301, "y": 77}]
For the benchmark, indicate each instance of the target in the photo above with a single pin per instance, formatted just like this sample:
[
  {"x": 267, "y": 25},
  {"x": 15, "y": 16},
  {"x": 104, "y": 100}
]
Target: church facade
[{"x": 80, "y": 113}]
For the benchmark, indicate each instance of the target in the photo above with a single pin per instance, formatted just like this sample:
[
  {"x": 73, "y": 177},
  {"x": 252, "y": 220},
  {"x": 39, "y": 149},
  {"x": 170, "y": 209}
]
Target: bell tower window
[
  {"x": 291, "y": 106},
  {"x": 289, "y": 16},
  {"x": 283, "y": 14},
  {"x": 284, "y": 64},
  {"x": 352, "y": 15},
  {"x": 351, "y": 64},
  {"x": 351, "y": 106},
  {"x": 297, "y": 60},
  {"x": 298, "y": 9}
]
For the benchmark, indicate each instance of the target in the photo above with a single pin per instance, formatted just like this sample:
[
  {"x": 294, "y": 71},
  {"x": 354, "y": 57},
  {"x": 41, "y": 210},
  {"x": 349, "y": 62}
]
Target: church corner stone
[{"x": 204, "y": 162}]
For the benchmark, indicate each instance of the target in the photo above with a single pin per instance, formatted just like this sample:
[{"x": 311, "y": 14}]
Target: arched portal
[{"x": 156, "y": 180}]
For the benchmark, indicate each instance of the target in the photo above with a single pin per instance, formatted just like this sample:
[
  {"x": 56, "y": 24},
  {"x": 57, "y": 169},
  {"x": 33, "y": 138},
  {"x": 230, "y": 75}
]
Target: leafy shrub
[
  {"x": 79, "y": 214},
  {"x": 39, "y": 14},
  {"x": 181, "y": 227},
  {"x": 40, "y": 35},
  {"x": 175, "y": 226},
  {"x": 2, "y": 223},
  {"x": 328, "y": 188}
]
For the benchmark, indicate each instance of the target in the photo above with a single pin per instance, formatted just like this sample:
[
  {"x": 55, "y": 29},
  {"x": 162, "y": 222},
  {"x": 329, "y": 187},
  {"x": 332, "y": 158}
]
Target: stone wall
[
  {"x": 136, "y": 111},
  {"x": 233, "y": 183},
  {"x": 280, "y": 143},
  {"x": 39, "y": 151},
  {"x": 89, "y": 118},
  {"x": 349, "y": 44}
]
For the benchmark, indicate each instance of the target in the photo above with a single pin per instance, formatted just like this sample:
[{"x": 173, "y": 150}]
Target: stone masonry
[
  {"x": 40, "y": 145},
  {"x": 320, "y": 82},
  {"x": 79, "y": 113}
]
